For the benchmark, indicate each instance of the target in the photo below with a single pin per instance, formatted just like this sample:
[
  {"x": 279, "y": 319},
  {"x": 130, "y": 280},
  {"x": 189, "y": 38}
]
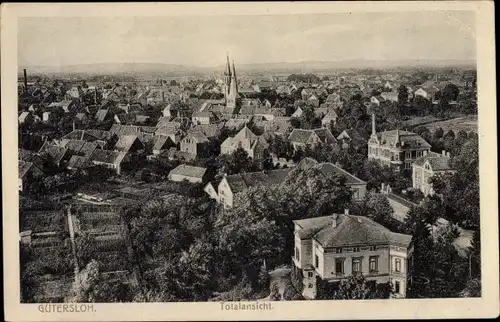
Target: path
[{"x": 73, "y": 243}]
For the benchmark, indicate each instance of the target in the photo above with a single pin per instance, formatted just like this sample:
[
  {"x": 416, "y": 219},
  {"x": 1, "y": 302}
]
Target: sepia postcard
[{"x": 249, "y": 161}]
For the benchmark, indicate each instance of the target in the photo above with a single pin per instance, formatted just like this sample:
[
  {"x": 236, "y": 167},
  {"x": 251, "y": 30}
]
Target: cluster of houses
[{"x": 330, "y": 247}]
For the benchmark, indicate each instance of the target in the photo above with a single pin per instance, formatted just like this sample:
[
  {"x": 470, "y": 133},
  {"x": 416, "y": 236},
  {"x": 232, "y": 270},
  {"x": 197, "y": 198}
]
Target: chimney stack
[
  {"x": 448, "y": 154},
  {"x": 25, "y": 80},
  {"x": 443, "y": 153},
  {"x": 73, "y": 125},
  {"x": 346, "y": 211},
  {"x": 334, "y": 220},
  {"x": 162, "y": 96},
  {"x": 382, "y": 188}
]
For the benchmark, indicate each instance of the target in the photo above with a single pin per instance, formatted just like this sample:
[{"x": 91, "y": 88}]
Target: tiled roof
[
  {"x": 84, "y": 135},
  {"x": 209, "y": 130},
  {"x": 106, "y": 156},
  {"x": 437, "y": 162},
  {"x": 406, "y": 139},
  {"x": 125, "y": 142},
  {"x": 189, "y": 171},
  {"x": 330, "y": 168},
  {"x": 350, "y": 231},
  {"x": 300, "y": 135},
  {"x": 198, "y": 136},
  {"x": 241, "y": 181},
  {"x": 78, "y": 162}
]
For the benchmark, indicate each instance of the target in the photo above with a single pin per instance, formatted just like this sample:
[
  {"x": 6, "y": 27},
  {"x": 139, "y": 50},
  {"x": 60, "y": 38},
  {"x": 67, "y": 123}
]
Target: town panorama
[{"x": 241, "y": 184}]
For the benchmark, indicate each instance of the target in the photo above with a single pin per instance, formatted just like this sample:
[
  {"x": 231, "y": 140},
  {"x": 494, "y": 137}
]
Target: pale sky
[{"x": 204, "y": 40}]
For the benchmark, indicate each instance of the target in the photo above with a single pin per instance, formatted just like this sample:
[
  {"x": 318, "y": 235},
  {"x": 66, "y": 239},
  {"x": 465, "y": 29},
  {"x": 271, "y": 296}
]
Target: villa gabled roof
[{"x": 349, "y": 231}]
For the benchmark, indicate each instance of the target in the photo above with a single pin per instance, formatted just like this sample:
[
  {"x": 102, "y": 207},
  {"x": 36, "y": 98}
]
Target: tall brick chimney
[{"x": 25, "y": 80}]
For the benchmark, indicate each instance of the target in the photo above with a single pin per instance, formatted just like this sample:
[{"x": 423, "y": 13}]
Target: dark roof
[
  {"x": 437, "y": 162},
  {"x": 300, "y": 135},
  {"x": 78, "y": 162},
  {"x": 56, "y": 153},
  {"x": 106, "y": 156},
  {"x": 101, "y": 134},
  {"x": 406, "y": 139},
  {"x": 241, "y": 181},
  {"x": 349, "y": 231},
  {"x": 209, "y": 130},
  {"x": 330, "y": 168}
]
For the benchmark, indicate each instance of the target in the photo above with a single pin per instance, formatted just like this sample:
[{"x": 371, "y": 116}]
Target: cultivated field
[{"x": 466, "y": 123}]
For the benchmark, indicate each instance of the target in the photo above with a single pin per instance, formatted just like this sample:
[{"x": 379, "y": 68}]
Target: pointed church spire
[
  {"x": 228, "y": 66},
  {"x": 234, "y": 75}
]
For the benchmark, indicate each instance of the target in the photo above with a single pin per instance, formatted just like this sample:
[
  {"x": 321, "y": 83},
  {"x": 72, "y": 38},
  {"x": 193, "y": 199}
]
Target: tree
[
  {"x": 438, "y": 134},
  {"x": 377, "y": 208},
  {"x": 237, "y": 162},
  {"x": 356, "y": 287},
  {"x": 91, "y": 286},
  {"x": 450, "y": 92},
  {"x": 402, "y": 96}
]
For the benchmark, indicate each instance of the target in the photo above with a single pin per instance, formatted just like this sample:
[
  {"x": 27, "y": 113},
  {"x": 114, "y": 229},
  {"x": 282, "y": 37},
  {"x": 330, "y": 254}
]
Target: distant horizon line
[{"x": 463, "y": 60}]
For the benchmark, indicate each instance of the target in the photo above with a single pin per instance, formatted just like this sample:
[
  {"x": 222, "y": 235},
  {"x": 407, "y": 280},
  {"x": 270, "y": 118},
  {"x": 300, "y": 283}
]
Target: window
[
  {"x": 372, "y": 248},
  {"x": 419, "y": 154},
  {"x": 297, "y": 253},
  {"x": 356, "y": 265},
  {"x": 338, "y": 250},
  {"x": 316, "y": 261},
  {"x": 339, "y": 266},
  {"x": 407, "y": 155},
  {"x": 397, "y": 287},
  {"x": 310, "y": 285},
  {"x": 396, "y": 156},
  {"x": 355, "y": 249},
  {"x": 373, "y": 263},
  {"x": 427, "y": 167},
  {"x": 309, "y": 274},
  {"x": 407, "y": 165},
  {"x": 355, "y": 194},
  {"x": 398, "y": 265}
]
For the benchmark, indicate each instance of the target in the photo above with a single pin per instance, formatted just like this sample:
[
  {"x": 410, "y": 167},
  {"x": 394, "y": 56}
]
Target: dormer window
[{"x": 427, "y": 166}]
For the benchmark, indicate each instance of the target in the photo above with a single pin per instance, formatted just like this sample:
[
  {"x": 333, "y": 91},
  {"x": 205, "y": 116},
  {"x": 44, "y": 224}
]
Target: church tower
[{"x": 230, "y": 86}]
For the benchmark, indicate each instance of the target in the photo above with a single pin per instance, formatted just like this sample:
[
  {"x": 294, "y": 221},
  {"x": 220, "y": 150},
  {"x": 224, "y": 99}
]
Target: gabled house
[
  {"x": 161, "y": 144},
  {"x": 27, "y": 172},
  {"x": 424, "y": 168},
  {"x": 330, "y": 117},
  {"x": 129, "y": 144},
  {"x": 111, "y": 159},
  {"x": 300, "y": 138},
  {"x": 254, "y": 145},
  {"x": 390, "y": 96},
  {"x": 232, "y": 185},
  {"x": 194, "y": 143},
  {"x": 428, "y": 92},
  {"x": 204, "y": 117},
  {"x": 298, "y": 112},
  {"x": 103, "y": 115},
  {"x": 351, "y": 137},
  {"x": 356, "y": 185}
]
